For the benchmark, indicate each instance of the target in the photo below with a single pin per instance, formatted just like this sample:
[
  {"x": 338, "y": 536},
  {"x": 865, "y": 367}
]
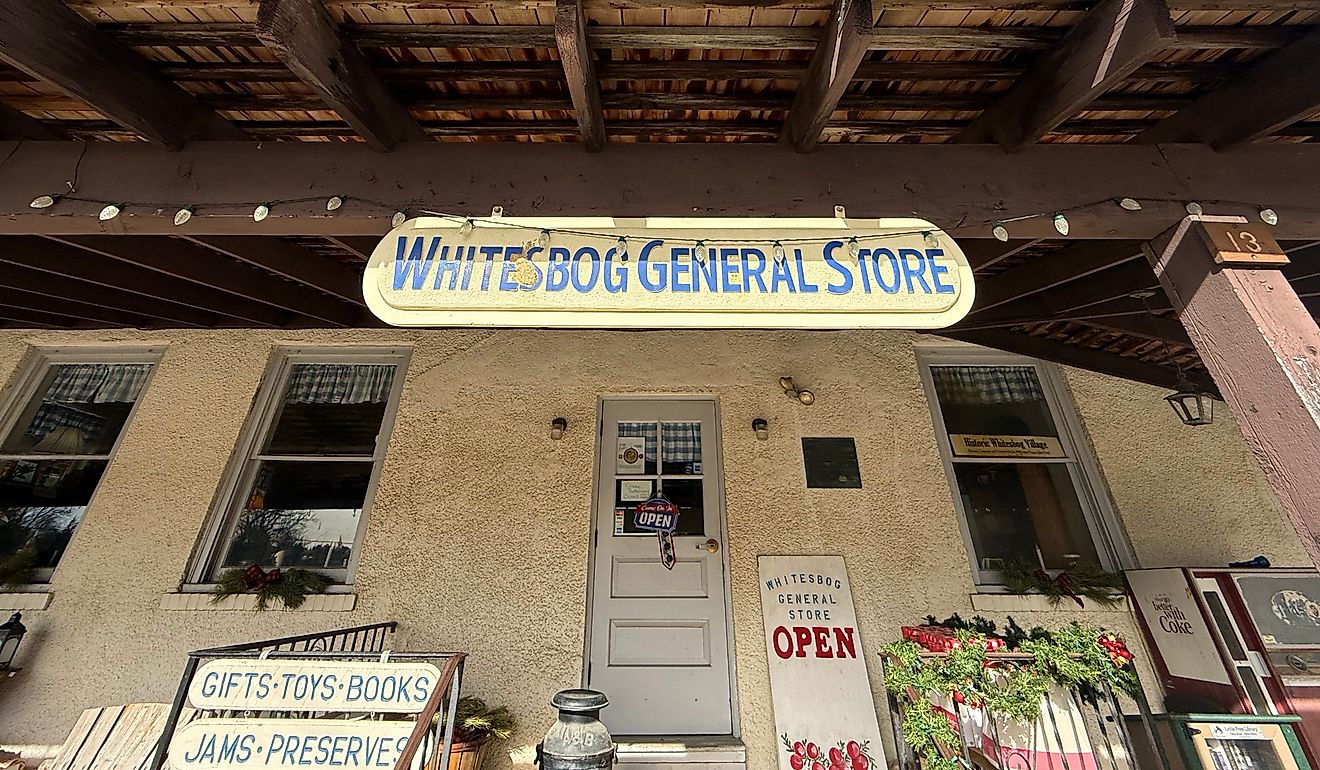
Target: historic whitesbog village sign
[
  {"x": 824, "y": 710},
  {"x": 669, "y": 273},
  {"x": 313, "y": 685}
]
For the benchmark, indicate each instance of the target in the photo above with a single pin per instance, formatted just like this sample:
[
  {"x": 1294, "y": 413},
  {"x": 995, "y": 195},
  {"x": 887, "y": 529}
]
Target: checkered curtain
[
  {"x": 97, "y": 383},
  {"x": 682, "y": 440},
  {"x": 339, "y": 384},
  {"x": 986, "y": 384}
]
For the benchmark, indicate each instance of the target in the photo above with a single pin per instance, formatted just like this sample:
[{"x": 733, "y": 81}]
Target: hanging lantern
[
  {"x": 11, "y": 633},
  {"x": 1191, "y": 405}
]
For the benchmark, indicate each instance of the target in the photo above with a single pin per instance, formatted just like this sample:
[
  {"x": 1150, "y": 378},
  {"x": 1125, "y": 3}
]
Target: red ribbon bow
[
  {"x": 1063, "y": 582},
  {"x": 258, "y": 578}
]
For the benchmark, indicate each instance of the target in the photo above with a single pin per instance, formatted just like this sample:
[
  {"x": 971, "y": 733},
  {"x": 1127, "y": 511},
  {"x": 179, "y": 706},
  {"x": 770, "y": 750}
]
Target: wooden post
[{"x": 1260, "y": 345}]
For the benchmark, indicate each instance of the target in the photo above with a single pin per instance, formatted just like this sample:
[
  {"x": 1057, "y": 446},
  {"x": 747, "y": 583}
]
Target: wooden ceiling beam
[
  {"x": 1071, "y": 263},
  {"x": 202, "y": 266},
  {"x": 50, "y": 41},
  {"x": 579, "y": 72},
  {"x": 1152, "y": 327},
  {"x": 1080, "y": 357},
  {"x": 983, "y": 253},
  {"x": 1278, "y": 91},
  {"x": 291, "y": 261},
  {"x": 357, "y": 245},
  {"x": 15, "y": 124},
  {"x": 1111, "y": 41},
  {"x": 78, "y": 312},
  {"x": 688, "y": 37},
  {"x": 1067, "y": 298},
  {"x": 815, "y": 5},
  {"x": 70, "y": 287},
  {"x": 301, "y": 34},
  {"x": 194, "y": 301},
  {"x": 843, "y": 44}
]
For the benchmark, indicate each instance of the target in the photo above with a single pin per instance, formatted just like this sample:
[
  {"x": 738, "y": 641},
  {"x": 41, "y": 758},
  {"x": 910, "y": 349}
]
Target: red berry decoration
[
  {"x": 818, "y": 765},
  {"x": 799, "y": 749},
  {"x": 861, "y": 762},
  {"x": 854, "y": 750},
  {"x": 797, "y": 761},
  {"x": 813, "y": 751},
  {"x": 836, "y": 757}
]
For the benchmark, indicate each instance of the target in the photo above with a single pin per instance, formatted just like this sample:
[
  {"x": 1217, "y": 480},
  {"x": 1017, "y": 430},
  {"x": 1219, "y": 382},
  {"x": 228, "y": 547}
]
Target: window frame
[
  {"x": 23, "y": 388},
  {"x": 243, "y": 463},
  {"x": 1098, "y": 510}
]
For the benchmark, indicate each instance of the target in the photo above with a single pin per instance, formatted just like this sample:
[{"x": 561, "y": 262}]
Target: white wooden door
[{"x": 659, "y": 638}]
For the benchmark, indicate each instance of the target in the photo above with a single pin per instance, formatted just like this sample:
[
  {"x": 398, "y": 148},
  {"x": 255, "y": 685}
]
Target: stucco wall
[{"x": 478, "y": 540}]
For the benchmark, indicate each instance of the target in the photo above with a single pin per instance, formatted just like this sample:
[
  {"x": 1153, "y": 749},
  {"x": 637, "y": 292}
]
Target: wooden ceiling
[{"x": 385, "y": 71}]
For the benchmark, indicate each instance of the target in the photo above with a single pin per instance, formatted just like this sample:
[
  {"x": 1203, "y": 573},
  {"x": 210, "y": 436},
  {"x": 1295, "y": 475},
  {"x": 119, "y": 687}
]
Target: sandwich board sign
[{"x": 600, "y": 272}]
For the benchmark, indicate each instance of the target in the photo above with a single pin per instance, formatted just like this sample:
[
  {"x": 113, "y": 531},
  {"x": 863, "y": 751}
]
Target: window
[
  {"x": 304, "y": 478},
  {"x": 1019, "y": 476},
  {"x": 61, "y": 430}
]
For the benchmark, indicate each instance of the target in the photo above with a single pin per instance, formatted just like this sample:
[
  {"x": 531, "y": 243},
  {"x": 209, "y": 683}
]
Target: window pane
[
  {"x": 993, "y": 400},
  {"x": 78, "y": 409},
  {"x": 1026, "y": 512},
  {"x": 331, "y": 409},
  {"x": 300, "y": 514},
  {"x": 41, "y": 503},
  {"x": 631, "y": 435},
  {"x": 680, "y": 445}
]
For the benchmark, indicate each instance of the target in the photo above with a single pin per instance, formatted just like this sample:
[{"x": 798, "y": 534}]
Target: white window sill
[
  {"x": 192, "y": 600},
  {"x": 1005, "y": 602},
  {"x": 34, "y": 597}
]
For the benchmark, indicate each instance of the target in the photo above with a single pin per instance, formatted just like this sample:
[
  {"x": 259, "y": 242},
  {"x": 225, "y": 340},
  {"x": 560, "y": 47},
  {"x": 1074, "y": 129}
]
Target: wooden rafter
[
  {"x": 50, "y": 41},
  {"x": 843, "y": 44},
  {"x": 197, "y": 264},
  {"x": 1085, "y": 358},
  {"x": 69, "y": 309},
  {"x": 1278, "y": 91},
  {"x": 985, "y": 253},
  {"x": 358, "y": 245},
  {"x": 303, "y": 36},
  {"x": 1112, "y": 40},
  {"x": 1146, "y": 325},
  {"x": 1066, "y": 297},
  {"x": 14, "y": 124},
  {"x": 1272, "y": 6},
  {"x": 291, "y": 261},
  {"x": 1047, "y": 271},
  {"x": 90, "y": 292},
  {"x": 579, "y": 72}
]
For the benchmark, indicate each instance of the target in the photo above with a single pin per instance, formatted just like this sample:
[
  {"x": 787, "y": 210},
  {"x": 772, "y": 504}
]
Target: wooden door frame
[{"x": 593, "y": 532}]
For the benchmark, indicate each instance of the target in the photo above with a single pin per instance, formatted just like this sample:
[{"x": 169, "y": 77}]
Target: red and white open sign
[{"x": 656, "y": 515}]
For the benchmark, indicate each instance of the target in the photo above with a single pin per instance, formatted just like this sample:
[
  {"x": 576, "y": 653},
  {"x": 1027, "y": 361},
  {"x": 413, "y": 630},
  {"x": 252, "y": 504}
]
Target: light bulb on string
[
  {"x": 1061, "y": 223},
  {"x": 399, "y": 218},
  {"x": 778, "y": 249},
  {"x": 999, "y": 232},
  {"x": 1128, "y": 204},
  {"x": 543, "y": 239},
  {"x": 1269, "y": 217},
  {"x": 108, "y": 213},
  {"x": 1194, "y": 209},
  {"x": 466, "y": 228},
  {"x": 622, "y": 248},
  {"x": 45, "y": 201},
  {"x": 260, "y": 213},
  {"x": 182, "y": 216},
  {"x": 930, "y": 239},
  {"x": 853, "y": 248},
  {"x": 334, "y": 203},
  {"x": 699, "y": 251}
]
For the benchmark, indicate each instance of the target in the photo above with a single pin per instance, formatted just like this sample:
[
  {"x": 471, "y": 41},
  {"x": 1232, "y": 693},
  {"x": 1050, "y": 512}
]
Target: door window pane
[
  {"x": 643, "y": 435},
  {"x": 680, "y": 448},
  {"x": 76, "y": 414},
  {"x": 688, "y": 495}
]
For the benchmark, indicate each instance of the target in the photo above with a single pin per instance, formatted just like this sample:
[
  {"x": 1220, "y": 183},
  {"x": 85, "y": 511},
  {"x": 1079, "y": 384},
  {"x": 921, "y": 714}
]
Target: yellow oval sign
[{"x": 669, "y": 273}]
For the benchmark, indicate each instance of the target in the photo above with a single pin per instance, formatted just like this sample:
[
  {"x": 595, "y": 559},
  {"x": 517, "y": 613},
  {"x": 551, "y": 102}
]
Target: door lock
[{"x": 712, "y": 546}]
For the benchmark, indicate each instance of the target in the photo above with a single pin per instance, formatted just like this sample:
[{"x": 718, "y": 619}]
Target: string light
[
  {"x": 465, "y": 229},
  {"x": 1269, "y": 217},
  {"x": 1061, "y": 223},
  {"x": 108, "y": 213},
  {"x": 182, "y": 216},
  {"x": 334, "y": 203},
  {"x": 699, "y": 251},
  {"x": 44, "y": 201},
  {"x": 853, "y": 249},
  {"x": 622, "y": 248},
  {"x": 543, "y": 239},
  {"x": 399, "y": 218},
  {"x": 260, "y": 213},
  {"x": 930, "y": 239},
  {"x": 779, "y": 250},
  {"x": 1194, "y": 209},
  {"x": 1128, "y": 204},
  {"x": 999, "y": 232}
]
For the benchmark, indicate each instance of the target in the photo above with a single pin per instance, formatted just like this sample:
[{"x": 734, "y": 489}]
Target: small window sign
[{"x": 831, "y": 463}]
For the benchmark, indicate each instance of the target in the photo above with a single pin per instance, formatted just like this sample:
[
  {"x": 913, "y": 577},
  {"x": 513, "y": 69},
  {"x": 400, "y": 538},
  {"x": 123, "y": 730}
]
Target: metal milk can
[{"x": 578, "y": 741}]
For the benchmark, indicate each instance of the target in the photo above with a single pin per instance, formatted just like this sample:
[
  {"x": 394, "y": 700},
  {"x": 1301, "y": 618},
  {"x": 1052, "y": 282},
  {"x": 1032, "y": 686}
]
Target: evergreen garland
[
  {"x": 1075, "y": 657},
  {"x": 16, "y": 568},
  {"x": 292, "y": 587},
  {"x": 1084, "y": 580}
]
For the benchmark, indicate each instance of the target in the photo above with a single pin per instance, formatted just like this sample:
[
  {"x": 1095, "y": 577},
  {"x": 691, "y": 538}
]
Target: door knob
[{"x": 712, "y": 545}]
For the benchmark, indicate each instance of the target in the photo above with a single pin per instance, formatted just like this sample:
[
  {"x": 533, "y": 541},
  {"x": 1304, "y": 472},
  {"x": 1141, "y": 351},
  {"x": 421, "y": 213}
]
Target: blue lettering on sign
[{"x": 424, "y": 263}]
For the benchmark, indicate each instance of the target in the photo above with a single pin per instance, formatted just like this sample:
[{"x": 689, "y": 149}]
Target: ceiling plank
[
  {"x": 301, "y": 34},
  {"x": 50, "y": 41},
  {"x": 842, "y": 45},
  {"x": 200, "y": 265},
  {"x": 1147, "y": 325},
  {"x": 1070, "y": 263},
  {"x": 177, "y": 299},
  {"x": 15, "y": 124},
  {"x": 1111, "y": 41},
  {"x": 1276, "y": 92},
  {"x": 79, "y": 311},
  {"x": 291, "y": 261},
  {"x": 580, "y": 72},
  {"x": 1080, "y": 357}
]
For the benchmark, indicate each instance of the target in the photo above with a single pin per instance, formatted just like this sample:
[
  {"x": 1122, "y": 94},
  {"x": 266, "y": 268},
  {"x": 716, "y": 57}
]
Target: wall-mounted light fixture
[
  {"x": 557, "y": 428},
  {"x": 805, "y": 397},
  {"x": 761, "y": 428}
]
